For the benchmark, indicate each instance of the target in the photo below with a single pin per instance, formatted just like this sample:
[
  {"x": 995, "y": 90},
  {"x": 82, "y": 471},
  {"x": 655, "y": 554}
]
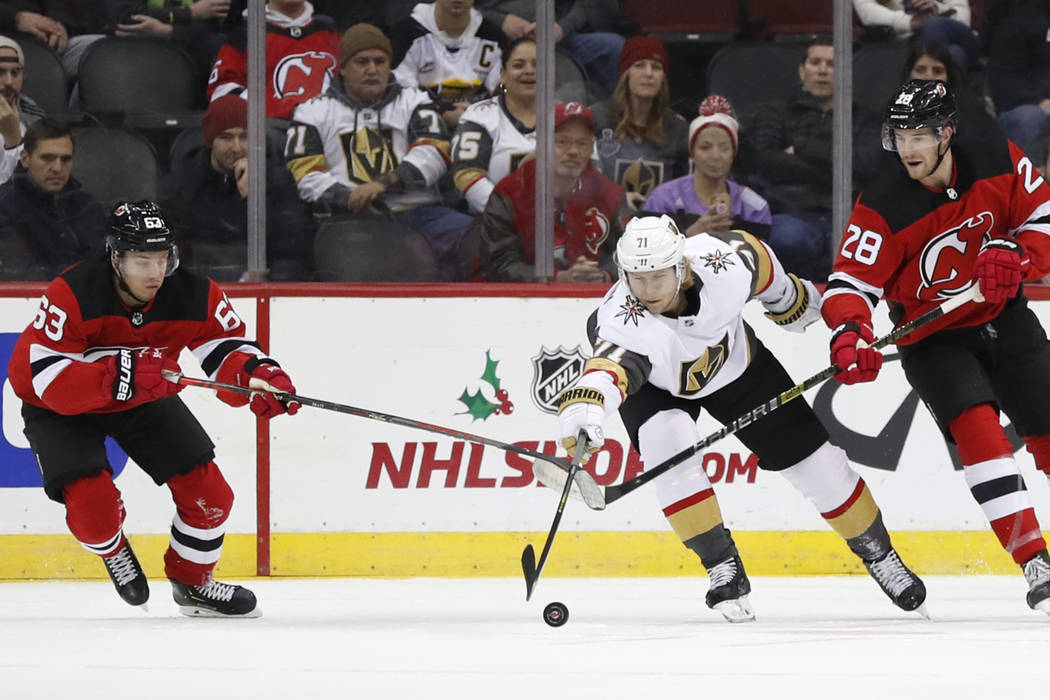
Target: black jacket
[{"x": 40, "y": 233}]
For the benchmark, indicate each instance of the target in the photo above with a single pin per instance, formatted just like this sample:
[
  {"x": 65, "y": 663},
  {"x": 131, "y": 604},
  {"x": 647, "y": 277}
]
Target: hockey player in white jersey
[{"x": 669, "y": 339}]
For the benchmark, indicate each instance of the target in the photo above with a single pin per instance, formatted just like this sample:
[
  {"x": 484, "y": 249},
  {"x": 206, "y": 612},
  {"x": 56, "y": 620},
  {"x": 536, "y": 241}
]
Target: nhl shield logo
[{"x": 554, "y": 371}]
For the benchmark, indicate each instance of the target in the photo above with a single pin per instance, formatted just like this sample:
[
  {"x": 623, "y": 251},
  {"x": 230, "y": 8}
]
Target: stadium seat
[
  {"x": 712, "y": 19},
  {"x": 145, "y": 79},
  {"x": 570, "y": 84},
  {"x": 113, "y": 163},
  {"x": 372, "y": 249},
  {"x": 44, "y": 77},
  {"x": 877, "y": 72},
  {"x": 753, "y": 73},
  {"x": 187, "y": 140},
  {"x": 792, "y": 19}
]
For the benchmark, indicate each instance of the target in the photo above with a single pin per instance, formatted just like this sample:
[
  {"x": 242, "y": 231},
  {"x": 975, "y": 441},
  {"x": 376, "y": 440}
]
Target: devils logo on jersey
[
  {"x": 595, "y": 229},
  {"x": 369, "y": 154},
  {"x": 303, "y": 74},
  {"x": 946, "y": 260}
]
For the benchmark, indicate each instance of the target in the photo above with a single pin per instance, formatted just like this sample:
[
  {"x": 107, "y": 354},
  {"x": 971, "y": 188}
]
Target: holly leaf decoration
[
  {"x": 477, "y": 405},
  {"x": 490, "y": 371}
]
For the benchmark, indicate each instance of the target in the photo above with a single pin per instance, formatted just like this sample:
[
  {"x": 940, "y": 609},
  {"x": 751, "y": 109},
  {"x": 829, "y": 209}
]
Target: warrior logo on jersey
[
  {"x": 369, "y": 154},
  {"x": 696, "y": 374},
  {"x": 595, "y": 229},
  {"x": 553, "y": 371},
  {"x": 631, "y": 310},
  {"x": 941, "y": 258},
  {"x": 303, "y": 74},
  {"x": 717, "y": 261}
]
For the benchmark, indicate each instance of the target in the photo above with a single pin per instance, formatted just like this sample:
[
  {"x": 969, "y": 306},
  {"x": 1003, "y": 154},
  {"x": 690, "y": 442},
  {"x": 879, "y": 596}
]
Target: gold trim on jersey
[
  {"x": 604, "y": 365},
  {"x": 301, "y": 167},
  {"x": 797, "y": 309},
  {"x": 858, "y": 517},
  {"x": 754, "y": 255},
  {"x": 441, "y": 144},
  {"x": 465, "y": 178}
]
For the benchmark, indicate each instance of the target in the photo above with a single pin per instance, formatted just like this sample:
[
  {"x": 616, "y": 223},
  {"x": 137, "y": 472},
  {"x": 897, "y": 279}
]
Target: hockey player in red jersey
[
  {"x": 90, "y": 366},
  {"x": 958, "y": 213},
  {"x": 669, "y": 341}
]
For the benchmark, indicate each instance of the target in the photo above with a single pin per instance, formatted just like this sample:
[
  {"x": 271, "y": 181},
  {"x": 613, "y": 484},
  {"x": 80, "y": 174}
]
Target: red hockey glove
[
  {"x": 136, "y": 374},
  {"x": 268, "y": 376},
  {"x": 1000, "y": 267},
  {"x": 850, "y": 352}
]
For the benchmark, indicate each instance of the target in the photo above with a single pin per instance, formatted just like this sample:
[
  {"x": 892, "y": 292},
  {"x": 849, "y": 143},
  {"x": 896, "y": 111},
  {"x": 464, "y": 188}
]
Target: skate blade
[
  {"x": 923, "y": 611},
  {"x": 738, "y": 610},
  {"x": 193, "y": 611}
]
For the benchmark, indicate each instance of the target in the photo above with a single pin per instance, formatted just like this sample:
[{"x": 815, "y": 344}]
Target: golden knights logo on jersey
[
  {"x": 553, "y": 371},
  {"x": 369, "y": 154},
  {"x": 696, "y": 374},
  {"x": 639, "y": 176}
]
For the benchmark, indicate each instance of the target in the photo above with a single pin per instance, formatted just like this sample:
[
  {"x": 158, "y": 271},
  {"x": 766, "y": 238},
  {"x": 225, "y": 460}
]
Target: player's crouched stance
[
  {"x": 669, "y": 339},
  {"x": 90, "y": 366}
]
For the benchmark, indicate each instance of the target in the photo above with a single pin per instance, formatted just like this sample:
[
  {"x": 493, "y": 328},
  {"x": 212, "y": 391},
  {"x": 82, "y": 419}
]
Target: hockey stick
[
  {"x": 258, "y": 385},
  {"x": 529, "y": 565},
  {"x": 597, "y": 497}
]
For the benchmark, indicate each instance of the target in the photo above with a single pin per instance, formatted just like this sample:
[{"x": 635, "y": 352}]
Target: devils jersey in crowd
[
  {"x": 336, "y": 143},
  {"x": 917, "y": 246},
  {"x": 586, "y": 223},
  {"x": 461, "y": 69},
  {"x": 489, "y": 144},
  {"x": 81, "y": 320},
  {"x": 708, "y": 346},
  {"x": 301, "y": 58}
]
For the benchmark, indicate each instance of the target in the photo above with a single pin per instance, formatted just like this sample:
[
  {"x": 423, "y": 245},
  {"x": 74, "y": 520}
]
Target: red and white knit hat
[{"x": 715, "y": 110}]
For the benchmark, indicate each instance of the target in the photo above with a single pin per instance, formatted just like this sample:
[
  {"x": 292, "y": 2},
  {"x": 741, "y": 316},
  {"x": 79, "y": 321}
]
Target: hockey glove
[
  {"x": 1000, "y": 267},
  {"x": 851, "y": 354},
  {"x": 798, "y": 309},
  {"x": 267, "y": 375},
  {"x": 136, "y": 374},
  {"x": 581, "y": 409}
]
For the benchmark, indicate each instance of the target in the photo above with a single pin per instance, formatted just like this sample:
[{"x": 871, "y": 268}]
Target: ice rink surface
[{"x": 430, "y": 639}]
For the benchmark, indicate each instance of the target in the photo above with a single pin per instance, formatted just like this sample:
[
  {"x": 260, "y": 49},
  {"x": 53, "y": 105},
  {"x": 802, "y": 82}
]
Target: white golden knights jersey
[
  {"x": 336, "y": 143},
  {"x": 705, "y": 348},
  {"x": 461, "y": 69},
  {"x": 489, "y": 144}
]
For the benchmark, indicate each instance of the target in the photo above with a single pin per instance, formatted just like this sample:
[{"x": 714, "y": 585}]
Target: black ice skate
[
  {"x": 128, "y": 578},
  {"x": 1037, "y": 573},
  {"x": 214, "y": 599},
  {"x": 729, "y": 589},
  {"x": 896, "y": 580}
]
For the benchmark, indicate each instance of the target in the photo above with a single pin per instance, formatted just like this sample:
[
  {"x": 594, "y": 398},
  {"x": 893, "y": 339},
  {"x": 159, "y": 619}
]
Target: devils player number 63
[
  {"x": 226, "y": 316},
  {"x": 50, "y": 319},
  {"x": 862, "y": 245}
]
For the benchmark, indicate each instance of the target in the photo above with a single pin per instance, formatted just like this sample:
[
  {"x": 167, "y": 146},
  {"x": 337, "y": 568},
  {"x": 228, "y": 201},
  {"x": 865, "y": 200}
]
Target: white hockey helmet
[{"x": 651, "y": 243}]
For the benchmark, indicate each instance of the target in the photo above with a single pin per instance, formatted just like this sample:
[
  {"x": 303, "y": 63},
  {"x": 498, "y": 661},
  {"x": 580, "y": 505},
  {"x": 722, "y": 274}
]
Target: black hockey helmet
[
  {"x": 141, "y": 227},
  {"x": 920, "y": 104}
]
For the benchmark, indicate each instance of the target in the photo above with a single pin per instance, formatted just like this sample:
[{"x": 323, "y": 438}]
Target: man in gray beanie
[{"x": 17, "y": 111}]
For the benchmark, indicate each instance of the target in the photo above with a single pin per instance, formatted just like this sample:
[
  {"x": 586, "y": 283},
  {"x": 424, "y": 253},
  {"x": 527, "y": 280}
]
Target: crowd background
[{"x": 400, "y": 134}]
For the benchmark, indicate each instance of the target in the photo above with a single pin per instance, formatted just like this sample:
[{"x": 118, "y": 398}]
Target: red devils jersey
[
  {"x": 299, "y": 63},
  {"x": 81, "y": 320},
  {"x": 917, "y": 246}
]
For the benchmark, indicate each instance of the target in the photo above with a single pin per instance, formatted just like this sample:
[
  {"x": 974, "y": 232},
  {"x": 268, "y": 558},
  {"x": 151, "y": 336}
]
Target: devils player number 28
[
  {"x": 50, "y": 319},
  {"x": 861, "y": 245}
]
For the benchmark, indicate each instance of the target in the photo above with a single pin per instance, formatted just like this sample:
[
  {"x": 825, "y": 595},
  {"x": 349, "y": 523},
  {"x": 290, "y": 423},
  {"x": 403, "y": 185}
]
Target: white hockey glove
[
  {"x": 798, "y": 309},
  {"x": 581, "y": 409}
]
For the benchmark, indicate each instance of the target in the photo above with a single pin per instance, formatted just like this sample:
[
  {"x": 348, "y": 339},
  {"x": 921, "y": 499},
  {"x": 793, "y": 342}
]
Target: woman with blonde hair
[{"x": 641, "y": 140}]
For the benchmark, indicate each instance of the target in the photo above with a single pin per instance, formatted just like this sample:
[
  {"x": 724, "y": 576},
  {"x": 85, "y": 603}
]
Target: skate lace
[
  {"x": 1036, "y": 571},
  {"x": 122, "y": 567},
  {"x": 722, "y": 574},
  {"x": 892, "y": 574},
  {"x": 217, "y": 591}
]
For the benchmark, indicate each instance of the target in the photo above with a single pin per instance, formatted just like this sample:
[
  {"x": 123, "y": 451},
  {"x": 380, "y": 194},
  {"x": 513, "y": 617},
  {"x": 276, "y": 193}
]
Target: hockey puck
[{"x": 555, "y": 614}]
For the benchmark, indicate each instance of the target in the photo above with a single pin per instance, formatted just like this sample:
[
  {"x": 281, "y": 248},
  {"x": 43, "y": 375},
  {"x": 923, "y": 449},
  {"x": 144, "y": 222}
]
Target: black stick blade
[{"x": 528, "y": 567}]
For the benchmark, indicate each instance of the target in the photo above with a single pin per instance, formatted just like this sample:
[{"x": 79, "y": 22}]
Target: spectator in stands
[
  {"x": 47, "y": 222},
  {"x": 943, "y": 21},
  {"x": 642, "y": 141},
  {"x": 494, "y": 135},
  {"x": 596, "y": 53},
  {"x": 49, "y": 31},
  {"x": 370, "y": 145},
  {"x": 205, "y": 196},
  {"x": 708, "y": 201},
  {"x": 587, "y": 212},
  {"x": 301, "y": 58},
  {"x": 1019, "y": 72},
  {"x": 789, "y": 163},
  {"x": 446, "y": 48},
  {"x": 17, "y": 111}
]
